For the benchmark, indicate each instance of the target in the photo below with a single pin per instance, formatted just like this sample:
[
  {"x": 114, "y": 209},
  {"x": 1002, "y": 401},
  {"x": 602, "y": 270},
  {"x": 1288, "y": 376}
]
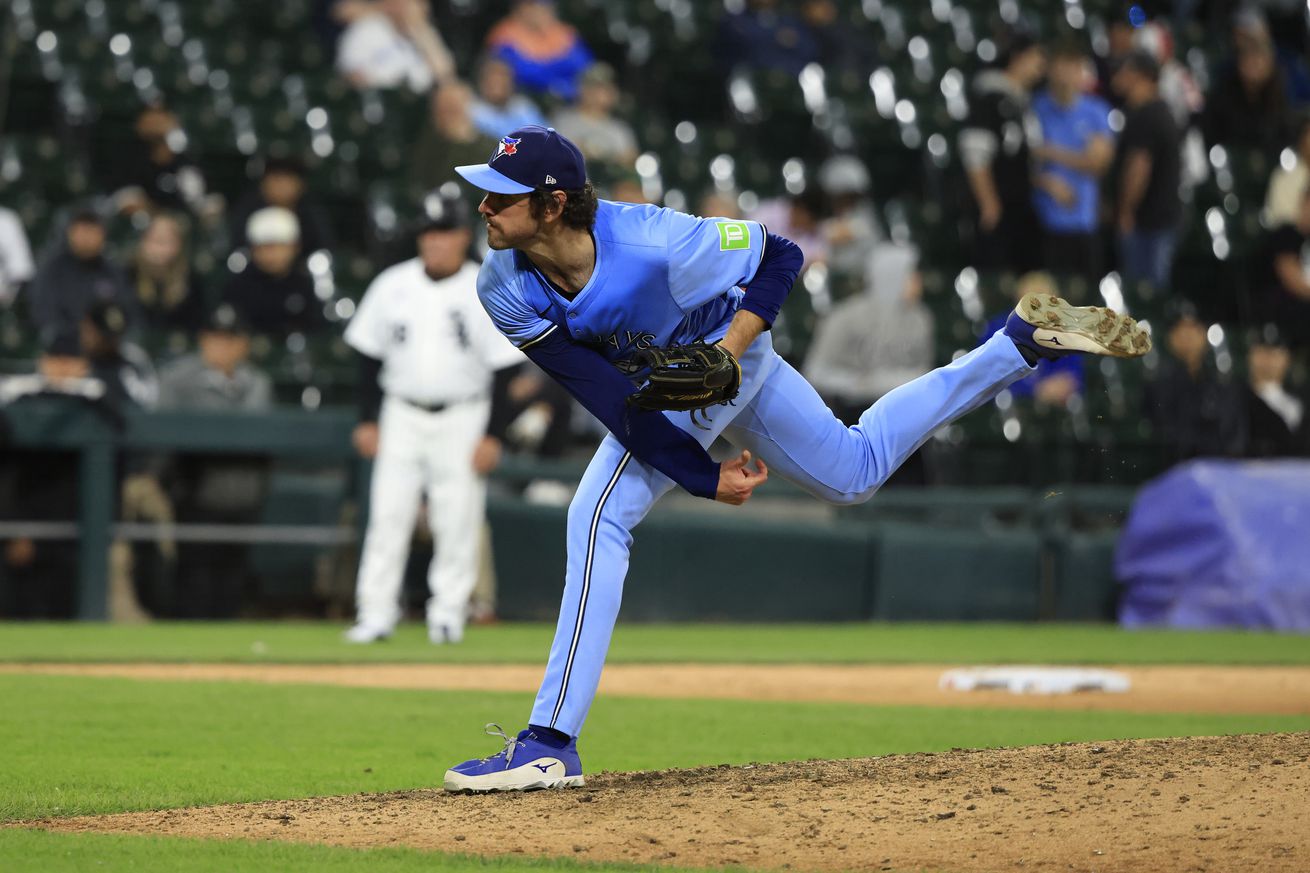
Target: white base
[{"x": 1035, "y": 680}]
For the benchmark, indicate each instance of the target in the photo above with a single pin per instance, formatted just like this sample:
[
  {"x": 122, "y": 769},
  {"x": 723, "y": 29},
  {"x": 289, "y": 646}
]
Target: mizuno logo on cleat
[
  {"x": 1055, "y": 341},
  {"x": 544, "y": 767}
]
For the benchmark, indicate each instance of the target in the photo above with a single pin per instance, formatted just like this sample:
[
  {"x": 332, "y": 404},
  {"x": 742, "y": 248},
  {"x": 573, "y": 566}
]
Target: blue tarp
[{"x": 1219, "y": 544}]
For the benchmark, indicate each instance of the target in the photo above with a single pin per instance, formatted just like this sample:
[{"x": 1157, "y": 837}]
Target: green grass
[
  {"x": 87, "y": 745},
  {"x": 25, "y": 851},
  {"x": 291, "y": 642},
  {"x": 74, "y": 745}
]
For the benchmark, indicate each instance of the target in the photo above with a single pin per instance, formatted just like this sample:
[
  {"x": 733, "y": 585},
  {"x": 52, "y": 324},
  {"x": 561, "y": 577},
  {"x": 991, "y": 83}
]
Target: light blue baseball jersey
[
  {"x": 664, "y": 277},
  {"x": 661, "y": 277}
]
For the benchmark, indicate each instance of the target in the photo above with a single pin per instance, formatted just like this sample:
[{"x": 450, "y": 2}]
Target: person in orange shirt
[{"x": 545, "y": 53}]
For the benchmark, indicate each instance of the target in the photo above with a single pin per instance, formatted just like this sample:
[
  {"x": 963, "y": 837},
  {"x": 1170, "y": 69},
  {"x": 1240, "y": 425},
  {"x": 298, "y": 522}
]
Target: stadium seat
[
  {"x": 1085, "y": 586},
  {"x": 928, "y": 572}
]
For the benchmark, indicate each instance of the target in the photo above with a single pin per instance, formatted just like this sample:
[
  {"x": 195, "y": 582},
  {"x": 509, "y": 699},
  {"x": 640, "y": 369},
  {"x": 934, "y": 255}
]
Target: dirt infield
[
  {"x": 1216, "y": 804},
  {"x": 1272, "y": 690}
]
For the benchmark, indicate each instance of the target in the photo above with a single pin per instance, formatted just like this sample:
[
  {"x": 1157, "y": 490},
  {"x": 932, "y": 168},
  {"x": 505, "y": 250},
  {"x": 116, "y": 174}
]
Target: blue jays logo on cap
[
  {"x": 508, "y": 145},
  {"x": 529, "y": 159}
]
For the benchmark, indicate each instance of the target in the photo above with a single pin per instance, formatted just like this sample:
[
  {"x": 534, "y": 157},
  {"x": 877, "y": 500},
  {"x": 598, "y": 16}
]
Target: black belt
[{"x": 436, "y": 407}]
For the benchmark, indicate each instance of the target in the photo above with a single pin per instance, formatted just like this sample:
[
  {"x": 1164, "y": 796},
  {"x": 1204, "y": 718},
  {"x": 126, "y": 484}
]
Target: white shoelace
[{"x": 511, "y": 743}]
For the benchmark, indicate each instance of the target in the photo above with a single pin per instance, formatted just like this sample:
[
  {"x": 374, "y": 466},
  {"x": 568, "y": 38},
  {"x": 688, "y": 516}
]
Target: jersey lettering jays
[{"x": 661, "y": 277}]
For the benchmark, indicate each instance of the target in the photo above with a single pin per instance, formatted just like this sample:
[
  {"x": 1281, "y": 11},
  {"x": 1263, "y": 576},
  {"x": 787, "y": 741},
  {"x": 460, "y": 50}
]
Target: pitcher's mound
[{"x": 1220, "y": 804}]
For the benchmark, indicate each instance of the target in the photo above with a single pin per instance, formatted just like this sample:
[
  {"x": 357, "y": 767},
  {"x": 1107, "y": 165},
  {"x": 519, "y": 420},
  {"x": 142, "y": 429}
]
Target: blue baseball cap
[{"x": 529, "y": 159}]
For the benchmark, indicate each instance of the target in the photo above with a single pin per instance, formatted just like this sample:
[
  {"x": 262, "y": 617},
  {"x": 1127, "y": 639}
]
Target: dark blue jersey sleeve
[
  {"x": 648, "y": 434},
  {"x": 768, "y": 288}
]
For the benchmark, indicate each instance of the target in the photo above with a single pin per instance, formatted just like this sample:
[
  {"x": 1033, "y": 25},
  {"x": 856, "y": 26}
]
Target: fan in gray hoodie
[{"x": 873, "y": 342}]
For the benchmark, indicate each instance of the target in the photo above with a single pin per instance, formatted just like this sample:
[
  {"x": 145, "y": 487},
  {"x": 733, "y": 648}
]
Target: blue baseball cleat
[
  {"x": 1050, "y": 327},
  {"x": 526, "y": 763}
]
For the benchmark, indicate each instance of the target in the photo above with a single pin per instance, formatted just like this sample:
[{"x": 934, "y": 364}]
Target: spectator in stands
[
  {"x": 78, "y": 274},
  {"x": 330, "y": 18},
  {"x": 156, "y": 173},
  {"x": 221, "y": 489},
  {"x": 1120, "y": 35},
  {"x": 1148, "y": 208},
  {"x": 995, "y": 154},
  {"x": 271, "y": 294},
  {"x": 1275, "y": 417},
  {"x": 1181, "y": 93},
  {"x": 1281, "y": 279},
  {"x": 283, "y": 184},
  {"x": 760, "y": 37},
  {"x": 1055, "y": 382},
  {"x": 798, "y": 217},
  {"x": 602, "y": 138},
  {"x": 1289, "y": 181},
  {"x": 1076, "y": 149},
  {"x": 167, "y": 290},
  {"x": 392, "y": 45},
  {"x": 851, "y": 230},
  {"x": 1281, "y": 23},
  {"x": 627, "y": 188},
  {"x": 1178, "y": 88},
  {"x": 219, "y": 375},
  {"x": 449, "y": 139},
  {"x": 498, "y": 108},
  {"x": 545, "y": 54},
  {"x": 841, "y": 47},
  {"x": 871, "y": 343},
  {"x": 1247, "y": 107},
  {"x": 16, "y": 264},
  {"x": 122, "y": 367},
  {"x": 718, "y": 204},
  {"x": 1194, "y": 411},
  {"x": 42, "y": 485}
]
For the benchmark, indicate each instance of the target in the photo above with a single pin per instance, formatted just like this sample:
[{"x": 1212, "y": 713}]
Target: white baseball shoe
[
  {"x": 445, "y": 634},
  {"x": 363, "y": 634}
]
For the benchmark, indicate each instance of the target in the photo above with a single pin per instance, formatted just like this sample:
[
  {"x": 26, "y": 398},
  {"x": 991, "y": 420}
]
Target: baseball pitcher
[{"x": 607, "y": 297}]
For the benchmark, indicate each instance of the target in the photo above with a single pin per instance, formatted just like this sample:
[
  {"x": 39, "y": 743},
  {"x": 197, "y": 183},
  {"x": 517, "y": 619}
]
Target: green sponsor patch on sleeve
[{"x": 734, "y": 236}]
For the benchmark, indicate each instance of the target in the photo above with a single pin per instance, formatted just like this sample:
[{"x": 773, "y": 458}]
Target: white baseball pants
[{"x": 423, "y": 452}]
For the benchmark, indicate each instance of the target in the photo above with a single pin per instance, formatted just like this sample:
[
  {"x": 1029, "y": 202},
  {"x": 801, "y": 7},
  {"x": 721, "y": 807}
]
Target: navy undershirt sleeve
[
  {"x": 369, "y": 393},
  {"x": 779, "y": 267},
  {"x": 502, "y": 408},
  {"x": 648, "y": 434}
]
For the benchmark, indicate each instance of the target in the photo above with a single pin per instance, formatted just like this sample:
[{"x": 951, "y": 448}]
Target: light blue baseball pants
[{"x": 779, "y": 417}]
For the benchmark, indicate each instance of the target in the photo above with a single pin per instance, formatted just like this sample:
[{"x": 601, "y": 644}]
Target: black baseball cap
[
  {"x": 442, "y": 210},
  {"x": 1267, "y": 335},
  {"x": 107, "y": 317},
  {"x": 529, "y": 159}
]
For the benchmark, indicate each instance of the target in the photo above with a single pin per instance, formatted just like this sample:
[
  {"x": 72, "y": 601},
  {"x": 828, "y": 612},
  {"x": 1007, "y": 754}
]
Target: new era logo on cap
[{"x": 526, "y": 156}]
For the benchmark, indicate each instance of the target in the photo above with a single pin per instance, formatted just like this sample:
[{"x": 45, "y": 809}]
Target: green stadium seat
[
  {"x": 1085, "y": 585},
  {"x": 928, "y": 572},
  {"x": 288, "y": 572}
]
